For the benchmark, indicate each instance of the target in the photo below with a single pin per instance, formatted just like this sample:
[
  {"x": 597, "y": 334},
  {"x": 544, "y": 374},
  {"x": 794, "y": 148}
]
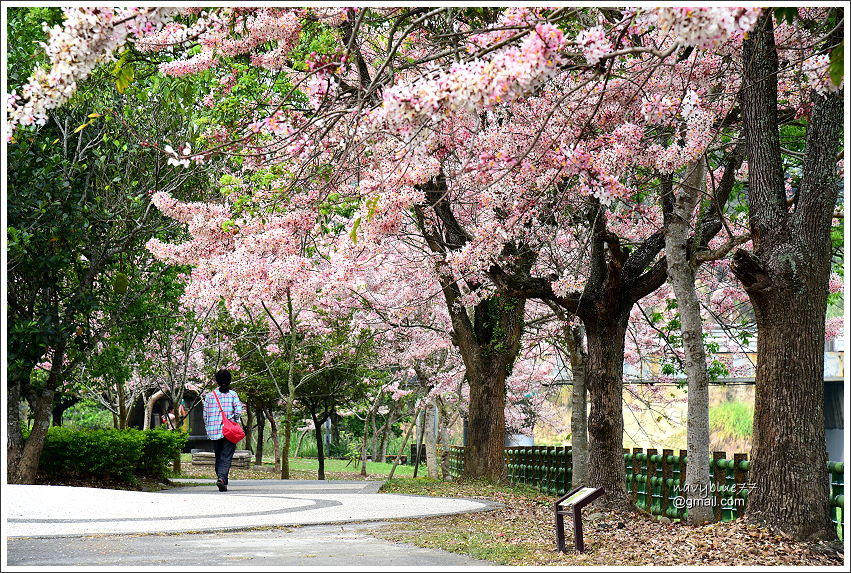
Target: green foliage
[
  {"x": 731, "y": 420},
  {"x": 109, "y": 453},
  {"x": 24, "y": 30},
  {"x": 87, "y": 414},
  {"x": 343, "y": 448},
  {"x": 160, "y": 448},
  {"x": 837, "y": 63},
  {"x": 101, "y": 453},
  {"x": 308, "y": 446},
  {"x": 785, "y": 13}
]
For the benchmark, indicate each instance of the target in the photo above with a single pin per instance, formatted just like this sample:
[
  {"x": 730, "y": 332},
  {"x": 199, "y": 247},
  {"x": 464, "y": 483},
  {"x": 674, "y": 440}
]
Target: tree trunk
[
  {"x": 386, "y": 430},
  {"x": 284, "y": 455},
  {"x": 446, "y": 422},
  {"x": 489, "y": 359},
  {"x": 405, "y": 439},
  {"x": 786, "y": 279},
  {"x": 579, "y": 405},
  {"x": 418, "y": 442},
  {"x": 249, "y": 427},
  {"x": 261, "y": 437},
  {"x": 298, "y": 445},
  {"x": 320, "y": 452},
  {"x": 604, "y": 379},
  {"x": 681, "y": 273},
  {"x": 276, "y": 440},
  {"x": 149, "y": 408},
  {"x": 27, "y": 468},
  {"x": 374, "y": 441},
  {"x": 484, "y": 456},
  {"x": 431, "y": 440},
  {"x": 369, "y": 420},
  {"x": 122, "y": 407},
  {"x": 791, "y": 483},
  {"x": 364, "y": 443},
  {"x": 14, "y": 436}
]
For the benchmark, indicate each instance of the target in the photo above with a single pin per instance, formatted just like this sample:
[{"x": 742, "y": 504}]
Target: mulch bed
[{"x": 522, "y": 533}]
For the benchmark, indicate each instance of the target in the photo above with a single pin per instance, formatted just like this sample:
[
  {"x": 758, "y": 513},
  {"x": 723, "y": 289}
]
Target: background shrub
[
  {"x": 109, "y": 453},
  {"x": 160, "y": 448}
]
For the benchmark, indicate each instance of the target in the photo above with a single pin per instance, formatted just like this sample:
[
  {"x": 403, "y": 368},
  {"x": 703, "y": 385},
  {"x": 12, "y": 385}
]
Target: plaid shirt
[{"x": 213, "y": 416}]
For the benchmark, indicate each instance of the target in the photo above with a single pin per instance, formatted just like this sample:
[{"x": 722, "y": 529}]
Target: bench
[{"x": 241, "y": 459}]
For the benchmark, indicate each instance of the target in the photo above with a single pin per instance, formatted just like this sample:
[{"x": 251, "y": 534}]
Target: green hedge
[{"x": 120, "y": 454}]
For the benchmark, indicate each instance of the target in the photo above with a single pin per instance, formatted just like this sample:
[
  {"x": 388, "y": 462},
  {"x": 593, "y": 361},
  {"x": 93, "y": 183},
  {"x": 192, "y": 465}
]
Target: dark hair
[{"x": 223, "y": 379}]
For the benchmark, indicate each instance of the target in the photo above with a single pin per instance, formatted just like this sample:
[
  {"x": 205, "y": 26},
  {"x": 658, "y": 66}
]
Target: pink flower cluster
[
  {"x": 510, "y": 22},
  {"x": 231, "y": 32},
  {"x": 594, "y": 44},
  {"x": 87, "y": 37},
  {"x": 478, "y": 84},
  {"x": 707, "y": 27},
  {"x": 817, "y": 76}
]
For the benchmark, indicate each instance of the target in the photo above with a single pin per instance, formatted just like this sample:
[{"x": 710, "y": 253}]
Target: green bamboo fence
[{"x": 654, "y": 479}]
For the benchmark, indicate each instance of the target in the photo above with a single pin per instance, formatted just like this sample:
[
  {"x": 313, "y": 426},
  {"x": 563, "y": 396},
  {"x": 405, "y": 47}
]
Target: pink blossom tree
[{"x": 527, "y": 157}]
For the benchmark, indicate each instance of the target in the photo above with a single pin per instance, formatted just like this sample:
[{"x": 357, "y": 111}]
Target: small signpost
[{"x": 577, "y": 499}]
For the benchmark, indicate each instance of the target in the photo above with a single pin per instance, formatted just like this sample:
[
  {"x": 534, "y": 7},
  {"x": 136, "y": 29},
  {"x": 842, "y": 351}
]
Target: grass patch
[
  {"x": 732, "y": 420},
  {"x": 460, "y": 488}
]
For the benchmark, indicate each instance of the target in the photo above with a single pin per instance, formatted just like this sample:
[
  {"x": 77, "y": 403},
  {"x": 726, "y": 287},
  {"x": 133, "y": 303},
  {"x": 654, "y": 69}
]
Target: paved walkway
[{"x": 56, "y": 525}]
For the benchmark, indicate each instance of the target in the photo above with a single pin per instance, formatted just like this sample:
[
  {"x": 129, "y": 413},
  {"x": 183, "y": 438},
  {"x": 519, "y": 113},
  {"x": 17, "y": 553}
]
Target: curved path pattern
[{"x": 56, "y": 511}]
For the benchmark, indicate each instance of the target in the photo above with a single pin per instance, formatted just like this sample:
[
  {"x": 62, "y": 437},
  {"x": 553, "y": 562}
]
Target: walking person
[{"x": 224, "y": 401}]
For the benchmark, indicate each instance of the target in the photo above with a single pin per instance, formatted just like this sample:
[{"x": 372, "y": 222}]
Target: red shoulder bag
[{"x": 230, "y": 429}]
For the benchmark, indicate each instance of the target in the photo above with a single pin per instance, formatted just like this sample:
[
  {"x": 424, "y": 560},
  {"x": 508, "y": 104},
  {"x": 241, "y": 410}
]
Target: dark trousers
[{"x": 224, "y": 449}]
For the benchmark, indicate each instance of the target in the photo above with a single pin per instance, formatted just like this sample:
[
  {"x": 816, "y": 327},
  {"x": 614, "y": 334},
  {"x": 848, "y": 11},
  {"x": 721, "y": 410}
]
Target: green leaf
[
  {"x": 83, "y": 126},
  {"x": 785, "y": 13},
  {"x": 120, "y": 283},
  {"x": 354, "y": 232},
  {"x": 125, "y": 77},
  {"x": 837, "y": 63}
]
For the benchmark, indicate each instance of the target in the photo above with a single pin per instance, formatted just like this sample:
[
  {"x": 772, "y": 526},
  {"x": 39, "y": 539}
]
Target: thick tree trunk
[
  {"x": 488, "y": 341},
  {"x": 681, "y": 273},
  {"x": 579, "y": 405},
  {"x": 27, "y": 466},
  {"x": 430, "y": 439},
  {"x": 489, "y": 352},
  {"x": 791, "y": 483},
  {"x": 604, "y": 378},
  {"x": 484, "y": 456},
  {"x": 786, "y": 280},
  {"x": 14, "y": 436}
]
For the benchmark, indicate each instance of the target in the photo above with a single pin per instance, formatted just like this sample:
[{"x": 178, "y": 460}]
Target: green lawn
[
  {"x": 338, "y": 466},
  {"x": 372, "y": 468}
]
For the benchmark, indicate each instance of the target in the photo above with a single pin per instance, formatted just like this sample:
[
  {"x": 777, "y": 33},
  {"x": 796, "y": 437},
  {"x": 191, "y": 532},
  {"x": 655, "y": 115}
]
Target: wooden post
[
  {"x": 568, "y": 468},
  {"x": 651, "y": 478},
  {"x": 665, "y": 503},
  {"x": 719, "y": 478},
  {"x": 683, "y": 470},
  {"x": 636, "y": 471},
  {"x": 740, "y": 478}
]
